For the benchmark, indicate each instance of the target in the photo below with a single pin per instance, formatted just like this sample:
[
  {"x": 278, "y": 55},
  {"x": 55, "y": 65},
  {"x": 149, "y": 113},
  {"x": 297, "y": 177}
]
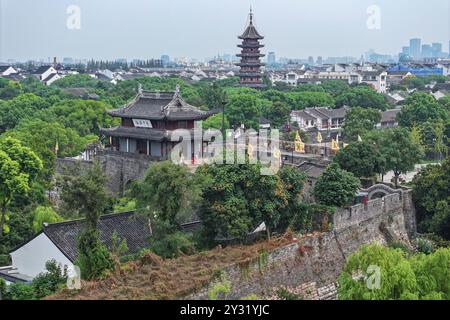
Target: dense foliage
[
  {"x": 84, "y": 194},
  {"x": 431, "y": 194},
  {"x": 336, "y": 187},
  {"x": 237, "y": 199},
  {"x": 44, "y": 284},
  {"x": 401, "y": 277}
]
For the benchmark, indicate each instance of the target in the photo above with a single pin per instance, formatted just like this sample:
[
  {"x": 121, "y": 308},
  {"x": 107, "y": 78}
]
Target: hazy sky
[{"x": 203, "y": 28}]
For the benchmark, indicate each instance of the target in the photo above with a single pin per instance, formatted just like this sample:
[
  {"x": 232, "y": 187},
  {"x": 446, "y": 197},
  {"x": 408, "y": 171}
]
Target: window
[
  {"x": 182, "y": 124},
  {"x": 142, "y": 123}
]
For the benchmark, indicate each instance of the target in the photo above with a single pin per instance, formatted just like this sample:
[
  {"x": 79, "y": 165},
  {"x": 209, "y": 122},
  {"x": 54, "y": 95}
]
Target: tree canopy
[
  {"x": 421, "y": 107},
  {"x": 389, "y": 274},
  {"x": 19, "y": 166},
  {"x": 336, "y": 187},
  {"x": 237, "y": 198},
  {"x": 431, "y": 194},
  {"x": 363, "y": 159},
  {"x": 359, "y": 121}
]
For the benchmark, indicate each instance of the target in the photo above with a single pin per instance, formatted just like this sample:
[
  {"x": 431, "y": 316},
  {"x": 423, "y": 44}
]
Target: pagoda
[
  {"x": 148, "y": 121},
  {"x": 250, "y": 64}
]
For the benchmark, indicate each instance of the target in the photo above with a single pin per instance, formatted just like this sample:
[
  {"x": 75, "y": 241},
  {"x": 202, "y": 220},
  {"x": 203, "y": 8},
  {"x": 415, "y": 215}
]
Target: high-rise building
[
  {"x": 319, "y": 60},
  {"x": 165, "y": 59},
  {"x": 436, "y": 49},
  {"x": 271, "y": 58},
  {"x": 250, "y": 74},
  {"x": 311, "y": 61},
  {"x": 406, "y": 51},
  {"x": 426, "y": 51},
  {"x": 414, "y": 47}
]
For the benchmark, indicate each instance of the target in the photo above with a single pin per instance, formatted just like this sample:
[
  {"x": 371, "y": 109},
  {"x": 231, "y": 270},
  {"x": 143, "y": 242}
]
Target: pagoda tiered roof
[
  {"x": 251, "y": 32},
  {"x": 159, "y": 106}
]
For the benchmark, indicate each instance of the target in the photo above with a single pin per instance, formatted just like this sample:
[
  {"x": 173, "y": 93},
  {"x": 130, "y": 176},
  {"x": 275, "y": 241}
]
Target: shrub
[
  {"x": 2, "y": 288},
  {"x": 94, "y": 259},
  {"x": 287, "y": 294},
  {"x": 424, "y": 245},
  {"x": 173, "y": 245},
  {"x": 220, "y": 290},
  {"x": 50, "y": 282},
  {"x": 20, "y": 291},
  {"x": 4, "y": 260}
]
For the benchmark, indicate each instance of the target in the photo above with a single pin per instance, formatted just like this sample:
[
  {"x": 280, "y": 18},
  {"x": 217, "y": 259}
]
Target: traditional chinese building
[
  {"x": 148, "y": 122},
  {"x": 250, "y": 64}
]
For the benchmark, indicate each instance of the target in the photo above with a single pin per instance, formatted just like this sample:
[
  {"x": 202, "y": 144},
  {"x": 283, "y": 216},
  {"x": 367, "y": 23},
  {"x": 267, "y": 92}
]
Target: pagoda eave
[{"x": 247, "y": 46}]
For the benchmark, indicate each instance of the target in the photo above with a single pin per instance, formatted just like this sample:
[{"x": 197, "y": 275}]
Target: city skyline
[{"x": 130, "y": 30}]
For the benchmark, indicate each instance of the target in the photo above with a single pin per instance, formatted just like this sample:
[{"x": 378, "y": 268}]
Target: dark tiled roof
[
  {"x": 335, "y": 113},
  {"x": 4, "y": 68},
  {"x": 251, "y": 32},
  {"x": 129, "y": 226},
  {"x": 311, "y": 170},
  {"x": 137, "y": 133},
  {"x": 158, "y": 106},
  {"x": 390, "y": 115},
  {"x": 52, "y": 75},
  {"x": 302, "y": 114},
  {"x": 14, "y": 77},
  {"x": 42, "y": 69}
]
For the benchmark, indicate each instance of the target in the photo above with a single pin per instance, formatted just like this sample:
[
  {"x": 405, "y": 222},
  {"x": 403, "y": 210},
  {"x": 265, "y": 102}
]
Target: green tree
[
  {"x": 359, "y": 121},
  {"x": 278, "y": 114},
  {"x": 9, "y": 89},
  {"x": 19, "y": 167},
  {"x": 362, "y": 159},
  {"x": 44, "y": 215},
  {"x": 237, "y": 198},
  {"x": 83, "y": 192},
  {"x": 362, "y": 96},
  {"x": 215, "y": 122},
  {"x": 84, "y": 116},
  {"x": 419, "y": 108},
  {"x": 213, "y": 95},
  {"x": 398, "y": 148},
  {"x": 302, "y": 100},
  {"x": 49, "y": 282},
  {"x": 335, "y": 87},
  {"x": 244, "y": 109},
  {"x": 336, "y": 187},
  {"x": 76, "y": 81},
  {"x": 21, "y": 107},
  {"x": 49, "y": 140},
  {"x": 400, "y": 278},
  {"x": 167, "y": 193},
  {"x": 431, "y": 190}
]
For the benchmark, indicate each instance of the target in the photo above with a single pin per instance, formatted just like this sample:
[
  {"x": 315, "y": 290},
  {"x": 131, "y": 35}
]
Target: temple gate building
[{"x": 148, "y": 122}]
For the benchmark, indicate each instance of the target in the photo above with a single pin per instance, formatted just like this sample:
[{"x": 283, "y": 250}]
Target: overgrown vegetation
[
  {"x": 45, "y": 284},
  {"x": 401, "y": 277}
]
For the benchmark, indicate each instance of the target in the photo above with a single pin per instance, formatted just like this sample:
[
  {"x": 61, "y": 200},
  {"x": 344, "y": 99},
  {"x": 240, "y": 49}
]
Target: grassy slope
[{"x": 153, "y": 278}]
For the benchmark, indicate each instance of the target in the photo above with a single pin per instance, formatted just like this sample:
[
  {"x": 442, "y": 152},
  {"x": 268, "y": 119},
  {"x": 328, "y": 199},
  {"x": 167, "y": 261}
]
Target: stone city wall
[{"x": 317, "y": 259}]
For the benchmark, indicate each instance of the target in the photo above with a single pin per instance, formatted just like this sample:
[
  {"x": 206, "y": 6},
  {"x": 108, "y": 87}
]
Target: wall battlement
[{"x": 356, "y": 214}]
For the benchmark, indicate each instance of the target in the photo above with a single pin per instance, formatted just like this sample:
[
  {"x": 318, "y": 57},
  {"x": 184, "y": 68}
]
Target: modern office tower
[{"x": 415, "y": 47}]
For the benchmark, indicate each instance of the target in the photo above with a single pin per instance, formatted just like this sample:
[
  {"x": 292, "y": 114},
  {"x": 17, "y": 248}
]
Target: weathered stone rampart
[{"x": 319, "y": 258}]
